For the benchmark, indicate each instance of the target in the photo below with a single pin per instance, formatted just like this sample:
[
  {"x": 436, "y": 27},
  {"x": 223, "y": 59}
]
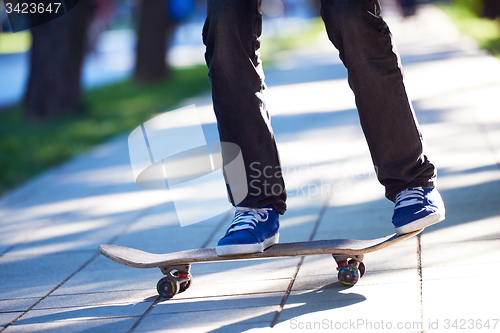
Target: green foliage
[
  {"x": 465, "y": 14},
  {"x": 273, "y": 46},
  {"x": 474, "y": 6},
  {"x": 27, "y": 149},
  {"x": 15, "y": 42}
]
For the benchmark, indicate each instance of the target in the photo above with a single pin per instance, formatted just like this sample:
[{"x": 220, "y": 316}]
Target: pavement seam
[
  {"x": 50, "y": 292},
  {"x": 54, "y": 221},
  {"x": 26, "y": 238},
  {"x": 113, "y": 239},
  {"x": 420, "y": 282},
  {"x": 204, "y": 245},
  {"x": 287, "y": 293},
  {"x": 299, "y": 264},
  {"x": 51, "y": 221},
  {"x": 139, "y": 321},
  {"x": 489, "y": 142}
]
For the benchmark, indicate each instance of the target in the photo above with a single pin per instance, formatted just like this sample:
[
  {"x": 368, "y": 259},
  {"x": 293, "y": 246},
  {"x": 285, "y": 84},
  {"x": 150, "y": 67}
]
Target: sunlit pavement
[{"x": 53, "y": 279}]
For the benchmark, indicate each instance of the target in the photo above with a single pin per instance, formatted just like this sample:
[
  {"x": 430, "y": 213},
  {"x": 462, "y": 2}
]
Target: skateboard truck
[
  {"x": 176, "y": 280},
  {"x": 350, "y": 268}
]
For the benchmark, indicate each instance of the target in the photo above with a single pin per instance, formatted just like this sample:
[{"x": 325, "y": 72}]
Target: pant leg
[
  {"x": 231, "y": 36},
  {"x": 374, "y": 73}
]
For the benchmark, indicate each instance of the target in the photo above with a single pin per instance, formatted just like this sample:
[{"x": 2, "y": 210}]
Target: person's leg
[
  {"x": 231, "y": 35},
  {"x": 375, "y": 75}
]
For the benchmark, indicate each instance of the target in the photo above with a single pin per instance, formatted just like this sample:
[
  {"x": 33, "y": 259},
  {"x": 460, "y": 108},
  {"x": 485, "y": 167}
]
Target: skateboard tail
[{"x": 123, "y": 255}]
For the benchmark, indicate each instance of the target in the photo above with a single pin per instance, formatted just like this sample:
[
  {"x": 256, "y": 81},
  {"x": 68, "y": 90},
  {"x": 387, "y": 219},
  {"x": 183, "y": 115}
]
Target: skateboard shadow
[{"x": 299, "y": 303}]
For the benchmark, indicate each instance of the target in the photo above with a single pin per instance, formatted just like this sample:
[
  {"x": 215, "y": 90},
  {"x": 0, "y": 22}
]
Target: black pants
[{"x": 231, "y": 35}]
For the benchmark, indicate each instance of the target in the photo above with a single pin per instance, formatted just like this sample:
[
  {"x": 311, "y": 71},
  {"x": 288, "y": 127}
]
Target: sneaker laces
[
  {"x": 247, "y": 218},
  {"x": 410, "y": 197}
]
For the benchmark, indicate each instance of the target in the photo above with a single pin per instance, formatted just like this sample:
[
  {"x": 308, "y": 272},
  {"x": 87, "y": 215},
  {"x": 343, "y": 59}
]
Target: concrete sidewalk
[{"x": 53, "y": 279}]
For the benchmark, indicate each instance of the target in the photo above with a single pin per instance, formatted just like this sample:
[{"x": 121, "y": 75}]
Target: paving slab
[
  {"x": 61, "y": 314},
  {"x": 477, "y": 310},
  {"x": 91, "y": 324},
  {"x": 337, "y": 308},
  {"x": 257, "y": 316},
  {"x": 35, "y": 276}
]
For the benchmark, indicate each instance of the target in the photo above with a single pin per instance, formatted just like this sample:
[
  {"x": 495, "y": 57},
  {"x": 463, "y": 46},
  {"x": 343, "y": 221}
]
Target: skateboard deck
[{"x": 348, "y": 253}]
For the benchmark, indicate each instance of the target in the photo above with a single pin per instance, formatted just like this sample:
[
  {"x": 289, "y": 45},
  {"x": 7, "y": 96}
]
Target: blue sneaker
[
  {"x": 417, "y": 208},
  {"x": 253, "y": 230}
]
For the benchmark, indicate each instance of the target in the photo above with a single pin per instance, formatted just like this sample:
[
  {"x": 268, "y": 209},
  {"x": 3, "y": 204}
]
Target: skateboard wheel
[
  {"x": 186, "y": 284},
  {"x": 168, "y": 287},
  {"x": 361, "y": 266},
  {"x": 348, "y": 275},
  {"x": 362, "y": 269}
]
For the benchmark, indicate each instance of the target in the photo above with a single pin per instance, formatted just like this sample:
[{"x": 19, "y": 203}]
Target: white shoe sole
[
  {"x": 236, "y": 249},
  {"x": 420, "y": 224}
]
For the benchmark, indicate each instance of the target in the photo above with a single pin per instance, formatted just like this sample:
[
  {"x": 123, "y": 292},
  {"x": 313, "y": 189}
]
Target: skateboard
[{"x": 176, "y": 266}]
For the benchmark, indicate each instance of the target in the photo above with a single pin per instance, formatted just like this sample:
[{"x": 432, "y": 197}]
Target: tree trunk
[
  {"x": 491, "y": 9},
  {"x": 154, "y": 31},
  {"x": 55, "y": 66}
]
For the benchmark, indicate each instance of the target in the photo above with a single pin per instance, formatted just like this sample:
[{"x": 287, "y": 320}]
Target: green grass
[
  {"x": 27, "y": 149},
  {"x": 272, "y": 46},
  {"x": 15, "y": 42},
  {"x": 486, "y": 32}
]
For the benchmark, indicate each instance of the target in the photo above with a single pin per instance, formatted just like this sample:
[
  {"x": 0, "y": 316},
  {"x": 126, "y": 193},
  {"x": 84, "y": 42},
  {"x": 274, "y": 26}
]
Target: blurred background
[{"x": 109, "y": 65}]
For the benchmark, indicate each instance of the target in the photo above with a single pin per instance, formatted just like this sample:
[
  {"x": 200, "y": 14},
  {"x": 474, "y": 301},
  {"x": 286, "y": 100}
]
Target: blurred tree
[
  {"x": 56, "y": 59},
  {"x": 408, "y": 7},
  {"x": 155, "y": 28},
  {"x": 491, "y": 9}
]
